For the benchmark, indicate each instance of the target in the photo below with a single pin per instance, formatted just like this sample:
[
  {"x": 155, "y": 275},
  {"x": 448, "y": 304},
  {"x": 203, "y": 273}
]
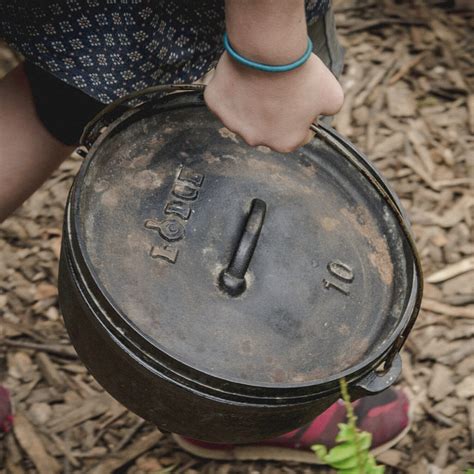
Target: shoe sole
[{"x": 271, "y": 453}]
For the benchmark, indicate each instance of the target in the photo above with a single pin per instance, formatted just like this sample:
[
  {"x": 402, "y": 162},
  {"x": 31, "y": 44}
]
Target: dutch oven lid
[{"x": 171, "y": 205}]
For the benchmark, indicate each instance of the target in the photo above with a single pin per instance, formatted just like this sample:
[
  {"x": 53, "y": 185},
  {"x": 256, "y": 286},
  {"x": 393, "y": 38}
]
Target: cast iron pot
[{"x": 222, "y": 291}]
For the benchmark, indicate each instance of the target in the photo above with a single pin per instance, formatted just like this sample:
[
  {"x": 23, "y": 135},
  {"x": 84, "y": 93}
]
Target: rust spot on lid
[
  {"x": 146, "y": 179},
  {"x": 110, "y": 198},
  {"x": 100, "y": 185},
  {"x": 279, "y": 376},
  {"x": 380, "y": 257},
  {"x": 141, "y": 161},
  {"x": 210, "y": 158},
  {"x": 329, "y": 223}
]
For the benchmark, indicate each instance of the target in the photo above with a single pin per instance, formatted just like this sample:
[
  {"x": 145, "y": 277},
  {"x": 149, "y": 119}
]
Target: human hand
[{"x": 273, "y": 109}]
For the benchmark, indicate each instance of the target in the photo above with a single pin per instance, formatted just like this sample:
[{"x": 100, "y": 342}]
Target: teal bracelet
[{"x": 267, "y": 67}]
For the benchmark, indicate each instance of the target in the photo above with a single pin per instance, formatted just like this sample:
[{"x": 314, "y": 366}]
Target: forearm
[{"x": 269, "y": 31}]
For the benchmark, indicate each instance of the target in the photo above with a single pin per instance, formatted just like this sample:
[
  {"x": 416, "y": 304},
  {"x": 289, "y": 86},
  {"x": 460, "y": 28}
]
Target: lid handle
[{"x": 232, "y": 279}]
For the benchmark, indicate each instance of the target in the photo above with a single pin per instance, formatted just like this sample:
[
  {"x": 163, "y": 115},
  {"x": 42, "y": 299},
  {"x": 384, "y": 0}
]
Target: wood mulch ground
[{"x": 409, "y": 83}]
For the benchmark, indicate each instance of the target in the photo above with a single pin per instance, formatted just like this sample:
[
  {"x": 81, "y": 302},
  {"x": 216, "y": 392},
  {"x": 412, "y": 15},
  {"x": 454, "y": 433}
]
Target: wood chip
[
  {"x": 441, "y": 383},
  {"x": 452, "y": 270},
  {"x": 419, "y": 144},
  {"x": 400, "y": 101},
  {"x": 465, "y": 388},
  {"x": 448, "y": 310},
  {"x": 392, "y": 457},
  {"x": 471, "y": 422},
  {"x": 20, "y": 366},
  {"x": 441, "y": 458},
  {"x": 57, "y": 349},
  {"x": 33, "y": 446},
  {"x": 470, "y": 107},
  {"x": 405, "y": 68},
  {"x": 90, "y": 409},
  {"x": 44, "y": 291},
  {"x": 392, "y": 143},
  {"x": 50, "y": 372},
  {"x": 115, "y": 461},
  {"x": 65, "y": 450},
  {"x": 14, "y": 456}
]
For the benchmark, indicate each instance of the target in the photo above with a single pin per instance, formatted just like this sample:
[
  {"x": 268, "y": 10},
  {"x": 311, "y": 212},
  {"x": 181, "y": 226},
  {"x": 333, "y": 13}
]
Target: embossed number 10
[{"x": 341, "y": 277}]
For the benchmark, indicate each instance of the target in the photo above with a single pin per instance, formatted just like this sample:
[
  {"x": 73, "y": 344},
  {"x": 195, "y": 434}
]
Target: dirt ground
[{"x": 409, "y": 82}]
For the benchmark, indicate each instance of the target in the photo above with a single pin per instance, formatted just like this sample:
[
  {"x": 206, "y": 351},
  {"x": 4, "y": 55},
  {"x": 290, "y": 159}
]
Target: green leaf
[
  {"x": 346, "y": 432},
  {"x": 365, "y": 440},
  {"x": 340, "y": 453},
  {"x": 321, "y": 451},
  {"x": 351, "y": 454},
  {"x": 377, "y": 470},
  {"x": 349, "y": 463},
  {"x": 372, "y": 467}
]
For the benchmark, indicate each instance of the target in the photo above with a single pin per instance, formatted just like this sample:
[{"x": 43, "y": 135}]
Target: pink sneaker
[
  {"x": 385, "y": 415},
  {"x": 6, "y": 417}
]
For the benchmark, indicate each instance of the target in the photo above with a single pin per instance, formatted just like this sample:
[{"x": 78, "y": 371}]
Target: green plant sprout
[{"x": 351, "y": 455}]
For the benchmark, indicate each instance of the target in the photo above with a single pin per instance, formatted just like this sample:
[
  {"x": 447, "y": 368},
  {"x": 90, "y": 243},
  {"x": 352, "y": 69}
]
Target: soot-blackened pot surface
[{"x": 161, "y": 210}]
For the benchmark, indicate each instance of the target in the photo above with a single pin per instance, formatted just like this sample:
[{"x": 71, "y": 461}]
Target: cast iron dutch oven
[{"x": 222, "y": 291}]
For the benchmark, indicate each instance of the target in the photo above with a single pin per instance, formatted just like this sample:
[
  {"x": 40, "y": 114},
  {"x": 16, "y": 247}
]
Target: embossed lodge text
[{"x": 177, "y": 210}]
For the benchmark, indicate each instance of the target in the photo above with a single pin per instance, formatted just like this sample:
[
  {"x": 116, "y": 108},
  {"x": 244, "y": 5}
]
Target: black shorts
[{"x": 65, "y": 110}]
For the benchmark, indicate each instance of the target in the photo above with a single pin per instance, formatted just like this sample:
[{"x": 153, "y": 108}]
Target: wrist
[{"x": 272, "y": 32}]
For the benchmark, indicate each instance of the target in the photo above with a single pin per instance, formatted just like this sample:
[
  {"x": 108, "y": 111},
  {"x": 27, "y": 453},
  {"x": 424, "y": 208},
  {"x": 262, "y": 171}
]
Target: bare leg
[{"x": 28, "y": 153}]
